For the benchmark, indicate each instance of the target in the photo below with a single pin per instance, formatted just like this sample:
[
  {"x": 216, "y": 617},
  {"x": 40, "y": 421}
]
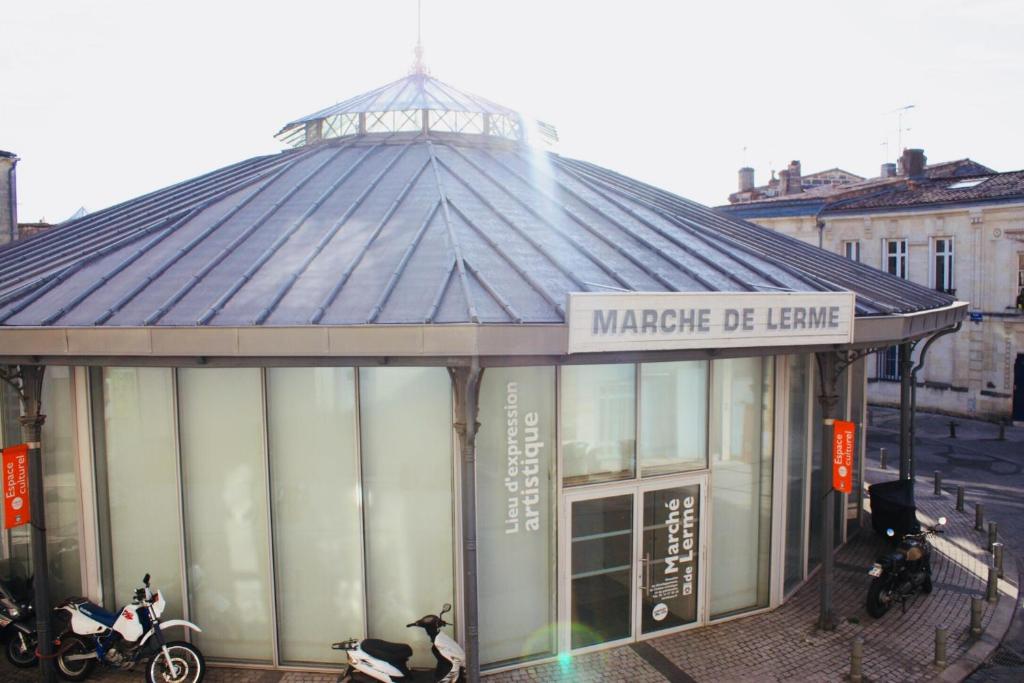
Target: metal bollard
[
  {"x": 881, "y": 459},
  {"x": 993, "y": 535},
  {"x": 992, "y": 591},
  {"x": 940, "y": 646},
  {"x": 997, "y": 558},
  {"x": 979, "y": 517},
  {"x": 976, "y": 629},
  {"x": 857, "y": 661},
  {"x": 959, "y": 498},
  {"x": 938, "y": 483},
  {"x": 952, "y": 429},
  {"x": 1002, "y": 430}
]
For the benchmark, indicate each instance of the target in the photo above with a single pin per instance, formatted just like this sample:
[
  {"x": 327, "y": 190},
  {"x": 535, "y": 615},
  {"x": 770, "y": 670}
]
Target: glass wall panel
[
  {"x": 315, "y": 496},
  {"x": 516, "y": 514},
  {"x": 741, "y": 428},
  {"x": 60, "y": 481},
  {"x": 225, "y": 487},
  {"x": 857, "y": 388},
  {"x": 142, "y": 473},
  {"x": 407, "y": 454},
  {"x": 598, "y": 422},
  {"x": 673, "y": 417},
  {"x": 796, "y": 480},
  {"x": 817, "y": 486}
]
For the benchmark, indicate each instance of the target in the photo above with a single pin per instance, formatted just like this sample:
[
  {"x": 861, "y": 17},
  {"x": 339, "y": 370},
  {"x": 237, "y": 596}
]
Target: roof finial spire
[{"x": 418, "y": 67}]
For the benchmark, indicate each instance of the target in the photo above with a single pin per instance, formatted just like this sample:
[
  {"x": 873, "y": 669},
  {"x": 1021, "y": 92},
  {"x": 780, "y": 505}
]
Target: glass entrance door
[
  {"x": 601, "y": 581},
  {"x": 632, "y": 558},
  {"x": 670, "y": 558}
]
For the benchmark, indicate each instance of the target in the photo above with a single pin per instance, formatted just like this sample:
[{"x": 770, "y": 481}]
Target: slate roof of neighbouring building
[{"x": 409, "y": 227}]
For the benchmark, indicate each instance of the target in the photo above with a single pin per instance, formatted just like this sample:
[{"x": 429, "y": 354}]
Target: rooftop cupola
[{"x": 416, "y": 103}]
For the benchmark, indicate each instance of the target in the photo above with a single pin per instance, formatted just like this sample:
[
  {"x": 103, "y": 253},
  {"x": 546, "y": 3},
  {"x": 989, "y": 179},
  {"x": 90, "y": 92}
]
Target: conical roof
[
  {"x": 416, "y": 102},
  {"x": 416, "y": 227}
]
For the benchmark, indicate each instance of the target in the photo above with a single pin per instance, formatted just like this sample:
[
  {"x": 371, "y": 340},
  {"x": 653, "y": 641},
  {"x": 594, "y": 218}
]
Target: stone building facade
[{"x": 956, "y": 226}]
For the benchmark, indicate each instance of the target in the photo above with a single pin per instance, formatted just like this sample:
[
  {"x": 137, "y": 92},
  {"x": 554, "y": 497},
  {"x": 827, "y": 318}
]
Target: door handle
[{"x": 645, "y": 573}]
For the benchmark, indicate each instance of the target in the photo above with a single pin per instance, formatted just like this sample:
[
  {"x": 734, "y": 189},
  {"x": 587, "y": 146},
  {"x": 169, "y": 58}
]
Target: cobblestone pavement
[
  {"x": 785, "y": 644},
  {"x": 992, "y": 473}
]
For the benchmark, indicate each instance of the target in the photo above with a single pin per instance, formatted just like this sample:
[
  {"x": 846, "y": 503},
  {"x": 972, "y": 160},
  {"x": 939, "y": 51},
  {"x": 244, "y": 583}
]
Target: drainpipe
[
  {"x": 466, "y": 386},
  {"x": 913, "y": 385},
  {"x": 828, "y": 399}
]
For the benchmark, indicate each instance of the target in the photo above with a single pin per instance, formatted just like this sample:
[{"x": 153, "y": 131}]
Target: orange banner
[
  {"x": 842, "y": 456},
  {"x": 15, "y": 464}
]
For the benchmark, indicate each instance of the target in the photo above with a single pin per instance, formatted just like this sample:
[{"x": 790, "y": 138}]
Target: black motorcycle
[
  {"x": 902, "y": 573},
  {"x": 16, "y": 615}
]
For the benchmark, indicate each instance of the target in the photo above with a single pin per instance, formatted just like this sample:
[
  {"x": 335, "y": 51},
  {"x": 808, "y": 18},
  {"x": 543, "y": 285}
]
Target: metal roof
[{"x": 405, "y": 228}]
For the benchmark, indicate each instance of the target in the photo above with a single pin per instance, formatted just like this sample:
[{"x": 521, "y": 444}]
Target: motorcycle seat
[
  {"x": 393, "y": 653},
  {"x": 97, "y": 613}
]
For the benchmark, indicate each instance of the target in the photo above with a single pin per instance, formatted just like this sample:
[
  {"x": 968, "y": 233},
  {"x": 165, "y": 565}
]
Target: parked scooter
[
  {"x": 16, "y": 616},
  {"x": 902, "y": 573},
  {"x": 371, "y": 659},
  {"x": 120, "y": 639}
]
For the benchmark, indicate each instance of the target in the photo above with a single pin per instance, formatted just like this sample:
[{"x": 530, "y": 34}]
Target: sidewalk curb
[{"x": 986, "y": 644}]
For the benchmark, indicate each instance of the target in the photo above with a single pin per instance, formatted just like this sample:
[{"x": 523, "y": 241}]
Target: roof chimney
[
  {"x": 8, "y": 198},
  {"x": 746, "y": 179},
  {"x": 888, "y": 170},
  {"x": 789, "y": 179},
  {"x": 912, "y": 163}
]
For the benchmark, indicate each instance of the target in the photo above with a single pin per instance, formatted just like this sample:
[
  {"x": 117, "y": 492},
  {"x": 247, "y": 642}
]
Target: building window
[
  {"x": 942, "y": 250},
  {"x": 598, "y": 423},
  {"x": 852, "y": 249},
  {"x": 895, "y": 255},
  {"x": 889, "y": 364},
  {"x": 1020, "y": 280}
]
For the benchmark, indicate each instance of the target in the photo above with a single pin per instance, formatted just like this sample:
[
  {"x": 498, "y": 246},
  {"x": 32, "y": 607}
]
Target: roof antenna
[{"x": 418, "y": 67}]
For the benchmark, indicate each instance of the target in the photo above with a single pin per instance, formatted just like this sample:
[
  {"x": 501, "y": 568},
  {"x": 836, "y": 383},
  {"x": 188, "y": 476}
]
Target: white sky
[{"x": 106, "y": 100}]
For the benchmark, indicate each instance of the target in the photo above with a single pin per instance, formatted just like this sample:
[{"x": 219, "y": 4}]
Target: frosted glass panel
[
  {"x": 516, "y": 514},
  {"x": 741, "y": 492},
  {"x": 138, "y": 412},
  {"x": 598, "y": 422},
  {"x": 225, "y": 486},
  {"x": 60, "y": 480},
  {"x": 315, "y": 494},
  {"x": 673, "y": 417},
  {"x": 800, "y": 383},
  {"x": 406, "y": 416}
]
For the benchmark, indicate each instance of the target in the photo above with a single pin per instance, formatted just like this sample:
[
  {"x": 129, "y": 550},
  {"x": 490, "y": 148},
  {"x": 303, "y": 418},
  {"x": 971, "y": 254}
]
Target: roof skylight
[{"x": 970, "y": 182}]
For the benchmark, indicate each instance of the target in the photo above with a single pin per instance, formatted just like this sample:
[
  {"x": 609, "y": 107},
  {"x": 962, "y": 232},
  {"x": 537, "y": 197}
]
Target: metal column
[
  {"x": 906, "y": 411},
  {"x": 466, "y": 385},
  {"x": 828, "y": 399},
  {"x": 32, "y": 421}
]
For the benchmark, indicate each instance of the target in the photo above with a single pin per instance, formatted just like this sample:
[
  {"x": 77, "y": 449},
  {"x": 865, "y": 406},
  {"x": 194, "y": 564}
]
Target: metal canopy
[{"x": 405, "y": 228}]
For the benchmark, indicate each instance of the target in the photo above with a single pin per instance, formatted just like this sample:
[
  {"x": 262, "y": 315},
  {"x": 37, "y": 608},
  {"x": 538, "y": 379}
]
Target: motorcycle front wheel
[
  {"x": 186, "y": 666},
  {"x": 76, "y": 669},
  {"x": 879, "y": 597},
  {"x": 21, "y": 654}
]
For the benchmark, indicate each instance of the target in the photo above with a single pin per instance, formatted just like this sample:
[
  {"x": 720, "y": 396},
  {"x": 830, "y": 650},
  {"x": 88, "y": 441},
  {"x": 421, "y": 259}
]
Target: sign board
[
  {"x": 15, "y": 465},
  {"x": 656, "y": 321},
  {"x": 842, "y": 456}
]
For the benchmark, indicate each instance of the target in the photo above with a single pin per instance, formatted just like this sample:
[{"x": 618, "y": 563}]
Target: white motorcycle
[
  {"x": 371, "y": 659},
  {"x": 119, "y": 640}
]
